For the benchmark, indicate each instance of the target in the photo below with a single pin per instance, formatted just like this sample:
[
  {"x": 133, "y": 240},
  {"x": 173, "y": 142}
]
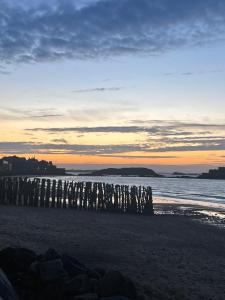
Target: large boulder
[
  {"x": 14, "y": 260},
  {"x": 90, "y": 296},
  {"x": 72, "y": 266},
  {"x": 51, "y": 291},
  {"x": 115, "y": 283},
  {"x": 50, "y": 254},
  {"x": 80, "y": 284},
  {"x": 115, "y": 298},
  {"x": 7, "y": 292},
  {"x": 51, "y": 270}
]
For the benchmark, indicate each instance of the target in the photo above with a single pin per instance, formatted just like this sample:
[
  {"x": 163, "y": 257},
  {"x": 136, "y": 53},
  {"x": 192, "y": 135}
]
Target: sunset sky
[{"x": 127, "y": 82}]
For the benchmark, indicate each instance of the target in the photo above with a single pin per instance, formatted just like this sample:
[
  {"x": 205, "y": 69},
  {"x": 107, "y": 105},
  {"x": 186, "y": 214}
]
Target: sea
[{"x": 181, "y": 189}]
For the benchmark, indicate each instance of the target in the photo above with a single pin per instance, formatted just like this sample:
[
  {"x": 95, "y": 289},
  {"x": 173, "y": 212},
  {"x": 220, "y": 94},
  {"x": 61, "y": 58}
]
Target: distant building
[
  {"x": 214, "y": 174},
  {"x": 5, "y": 167},
  {"x": 13, "y": 165}
]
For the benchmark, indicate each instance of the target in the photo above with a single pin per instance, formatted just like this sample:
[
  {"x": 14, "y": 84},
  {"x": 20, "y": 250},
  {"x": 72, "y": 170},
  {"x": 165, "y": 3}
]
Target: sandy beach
[{"x": 171, "y": 256}]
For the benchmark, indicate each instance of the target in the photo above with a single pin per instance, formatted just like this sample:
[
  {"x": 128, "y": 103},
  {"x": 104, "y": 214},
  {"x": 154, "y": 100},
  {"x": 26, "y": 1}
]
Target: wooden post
[
  {"x": 48, "y": 192},
  {"x": 94, "y": 196},
  {"x": 133, "y": 204},
  {"x": 148, "y": 209},
  {"x": 127, "y": 199},
  {"x": 31, "y": 187},
  {"x": 123, "y": 198},
  {"x": 59, "y": 194},
  {"x": 139, "y": 200},
  {"x": 65, "y": 194},
  {"x": 53, "y": 194},
  {"x": 15, "y": 191},
  {"x": 42, "y": 196},
  {"x": 26, "y": 193},
  {"x": 75, "y": 195},
  {"x": 81, "y": 194},
  {"x": 10, "y": 191},
  {"x": 36, "y": 192},
  {"x": 1, "y": 190},
  {"x": 85, "y": 198},
  {"x": 20, "y": 192},
  {"x": 70, "y": 194},
  {"x": 116, "y": 198},
  {"x": 100, "y": 196}
]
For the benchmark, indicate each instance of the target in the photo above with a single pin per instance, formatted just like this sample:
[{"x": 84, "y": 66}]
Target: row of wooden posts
[{"x": 97, "y": 196}]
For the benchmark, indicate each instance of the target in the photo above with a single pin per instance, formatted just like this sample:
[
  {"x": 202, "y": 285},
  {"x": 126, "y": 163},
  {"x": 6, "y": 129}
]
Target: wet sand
[
  {"x": 174, "y": 255},
  {"x": 206, "y": 212}
]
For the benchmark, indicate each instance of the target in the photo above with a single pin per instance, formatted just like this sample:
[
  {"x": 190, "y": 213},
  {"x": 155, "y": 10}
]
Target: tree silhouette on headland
[{"x": 14, "y": 165}]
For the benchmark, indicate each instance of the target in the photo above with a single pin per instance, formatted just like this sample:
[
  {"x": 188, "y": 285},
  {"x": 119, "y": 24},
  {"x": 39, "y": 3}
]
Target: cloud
[
  {"x": 193, "y": 73},
  {"x": 89, "y": 112},
  {"x": 106, "y": 28},
  {"x": 46, "y": 116},
  {"x": 166, "y": 128},
  {"x": 14, "y": 113},
  {"x": 201, "y": 147},
  {"x": 79, "y": 149},
  {"x": 106, "y": 129},
  {"x": 149, "y": 147},
  {"x": 178, "y": 124},
  {"x": 169, "y": 136},
  {"x": 86, "y": 112},
  {"x": 141, "y": 156},
  {"x": 4, "y": 72},
  {"x": 187, "y": 73},
  {"x": 60, "y": 141},
  {"x": 100, "y": 90}
]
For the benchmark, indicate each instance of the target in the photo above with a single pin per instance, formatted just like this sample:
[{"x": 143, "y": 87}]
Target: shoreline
[{"x": 208, "y": 212}]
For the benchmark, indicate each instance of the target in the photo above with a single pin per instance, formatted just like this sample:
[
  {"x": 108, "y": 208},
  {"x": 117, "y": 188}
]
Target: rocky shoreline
[{"x": 28, "y": 276}]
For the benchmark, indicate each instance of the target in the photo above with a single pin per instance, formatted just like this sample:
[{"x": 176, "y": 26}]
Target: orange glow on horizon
[{"x": 180, "y": 158}]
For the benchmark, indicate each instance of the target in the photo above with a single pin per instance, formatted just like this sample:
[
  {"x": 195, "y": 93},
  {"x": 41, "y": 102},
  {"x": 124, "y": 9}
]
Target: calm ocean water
[{"x": 212, "y": 191}]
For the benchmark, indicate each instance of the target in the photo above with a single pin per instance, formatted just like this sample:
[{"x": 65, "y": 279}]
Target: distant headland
[
  {"x": 139, "y": 172},
  {"x": 13, "y": 165},
  {"x": 214, "y": 174}
]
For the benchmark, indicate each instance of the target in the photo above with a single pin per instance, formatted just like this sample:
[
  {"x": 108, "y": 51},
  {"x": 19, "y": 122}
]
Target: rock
[
  {"x": 79, "y": 285},
  {"x": 51, "y": 254},
  {"x": 34, "y": 267},
  {"x": 93, "y": 274},
  {"x": 7, "y": 292},
  {"x": 13, "y": 260},
  {"x": 94, "y": 285},
  {"x": 73, "y": 266},
  {"x": 58, "y": 277},
  {"x": 114, "y": 298},
  {"x": 143, "y": 297},
  {"x": 89, "y": 296},
  {"x": 116, "y": 284},
  {"x": 27, "y": 281},
  {"x": 51, "y": 270},
  {"x": 100, "y": 271},
  {"x": 52, "y": 291}
]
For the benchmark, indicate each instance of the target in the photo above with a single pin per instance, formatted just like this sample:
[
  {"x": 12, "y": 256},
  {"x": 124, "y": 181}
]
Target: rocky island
[{"x": 138, "y": 172}]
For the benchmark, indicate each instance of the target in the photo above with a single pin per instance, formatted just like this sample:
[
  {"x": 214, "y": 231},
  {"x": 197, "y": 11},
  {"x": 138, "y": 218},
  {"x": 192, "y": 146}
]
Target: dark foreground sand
[{"x": 170, "y": 256}]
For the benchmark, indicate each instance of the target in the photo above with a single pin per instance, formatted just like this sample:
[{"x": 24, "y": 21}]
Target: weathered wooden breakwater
[{"x": 77, "y": 195}]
